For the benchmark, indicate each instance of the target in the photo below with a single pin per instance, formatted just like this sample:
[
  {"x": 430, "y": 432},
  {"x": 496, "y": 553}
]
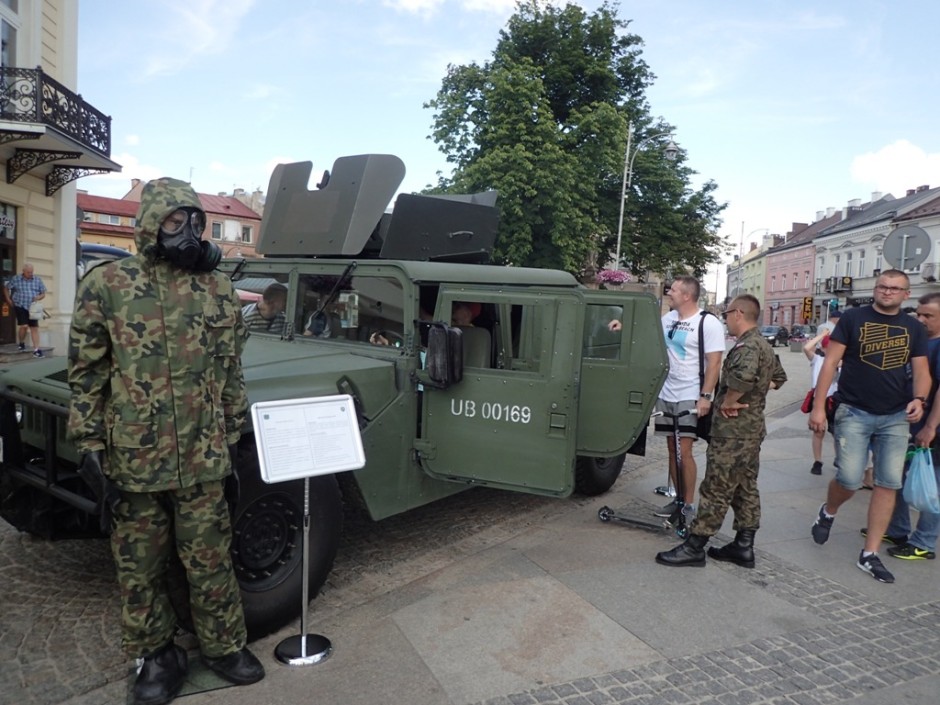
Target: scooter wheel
[{"x": 605, "y": 513}]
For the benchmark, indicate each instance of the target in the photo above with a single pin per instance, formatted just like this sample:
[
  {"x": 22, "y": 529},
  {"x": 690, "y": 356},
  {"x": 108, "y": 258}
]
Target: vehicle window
[
  {"x": 526, "y": 327},
  {"x": 264, "y": 302},
  {"x": 599, "y": 341},
  {"x": 362, "y": 309}
]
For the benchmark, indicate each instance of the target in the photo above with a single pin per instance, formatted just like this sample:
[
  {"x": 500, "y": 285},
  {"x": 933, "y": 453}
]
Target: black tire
[
  {"x": 268, "y": 533},
  {"x": 594, "y": 476}
]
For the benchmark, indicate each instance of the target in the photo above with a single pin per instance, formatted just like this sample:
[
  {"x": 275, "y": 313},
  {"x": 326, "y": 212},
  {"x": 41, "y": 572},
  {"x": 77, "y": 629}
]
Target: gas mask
[{"x": 180, "y": 241}]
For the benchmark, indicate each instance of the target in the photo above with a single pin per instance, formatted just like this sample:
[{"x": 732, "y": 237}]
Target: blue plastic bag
[{"x": 920, "y": 487}]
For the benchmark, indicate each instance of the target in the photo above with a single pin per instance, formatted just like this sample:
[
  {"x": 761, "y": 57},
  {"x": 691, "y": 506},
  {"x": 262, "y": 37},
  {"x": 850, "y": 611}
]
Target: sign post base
[{"x": 292, "y": 651}]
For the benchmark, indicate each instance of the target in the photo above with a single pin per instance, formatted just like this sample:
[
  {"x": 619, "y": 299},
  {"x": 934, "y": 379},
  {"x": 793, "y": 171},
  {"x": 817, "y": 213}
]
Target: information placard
[{"x": 299, "y": 438}]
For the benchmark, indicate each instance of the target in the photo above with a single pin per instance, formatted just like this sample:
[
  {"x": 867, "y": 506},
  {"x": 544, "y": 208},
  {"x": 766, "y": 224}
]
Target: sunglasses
[
  {"x": 672, "y": 331},
  {"x": 730, "y": 310}
]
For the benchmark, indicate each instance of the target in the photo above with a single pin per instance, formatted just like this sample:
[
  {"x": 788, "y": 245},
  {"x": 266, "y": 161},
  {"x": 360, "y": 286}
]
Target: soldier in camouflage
[
  {"x": 750, "y": 370},
  {"x": 158, "y": 403}
]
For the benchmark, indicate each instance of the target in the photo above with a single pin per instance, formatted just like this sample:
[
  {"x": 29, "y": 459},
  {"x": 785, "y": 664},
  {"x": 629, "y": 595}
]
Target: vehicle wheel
[
  {"x": 267, "y": 535},
  {"x": 594, "y": 476},
  {"x": 267, "y": 538}
]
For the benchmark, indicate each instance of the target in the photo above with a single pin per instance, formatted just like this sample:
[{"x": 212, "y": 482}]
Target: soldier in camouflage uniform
[
  {"x": 750, "y": 370},
  {"x": 158, "y": 403}
]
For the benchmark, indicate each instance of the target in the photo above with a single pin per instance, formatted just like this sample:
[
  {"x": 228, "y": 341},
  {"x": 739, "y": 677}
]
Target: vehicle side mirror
[{"x": 444, "y": 361}]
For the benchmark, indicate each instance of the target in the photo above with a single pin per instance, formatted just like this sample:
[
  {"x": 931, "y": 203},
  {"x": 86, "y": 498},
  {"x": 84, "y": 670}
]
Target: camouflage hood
[{"x": 160, "y": 197}]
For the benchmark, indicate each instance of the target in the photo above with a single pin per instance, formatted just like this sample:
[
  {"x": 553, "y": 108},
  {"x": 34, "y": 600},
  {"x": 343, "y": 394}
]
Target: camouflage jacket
[
  {"x": 749, "y": 367},
  {"x": 155, "y": 362}
]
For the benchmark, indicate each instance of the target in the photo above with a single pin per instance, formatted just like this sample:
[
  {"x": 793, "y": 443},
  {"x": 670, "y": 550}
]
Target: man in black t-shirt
[{"x": 883, "y": 388}]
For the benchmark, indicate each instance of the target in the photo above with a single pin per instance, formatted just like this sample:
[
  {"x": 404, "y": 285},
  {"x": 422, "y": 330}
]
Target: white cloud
[
  {"x": 896, "y": 167},
  {"x": 494, "y": 6},
  {"x": 132, "y": 140},
  {"x": 118, "y": 183},
  {"x": 424, "y": 7},
  {"x": 196, "y": 28}
]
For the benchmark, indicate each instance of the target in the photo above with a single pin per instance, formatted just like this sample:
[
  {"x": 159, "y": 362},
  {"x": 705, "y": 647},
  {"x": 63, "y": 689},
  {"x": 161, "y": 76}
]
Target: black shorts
[{"x": 23, "y": 319}]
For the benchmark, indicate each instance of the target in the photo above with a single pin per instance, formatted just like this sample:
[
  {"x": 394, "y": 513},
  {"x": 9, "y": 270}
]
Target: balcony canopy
[{"x": 48, "y": 131}]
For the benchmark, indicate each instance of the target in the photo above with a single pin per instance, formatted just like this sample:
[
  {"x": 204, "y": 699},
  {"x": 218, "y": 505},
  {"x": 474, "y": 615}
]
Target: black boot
[
  {"x": 692, "y": 553},
  {"x": 739, "y": 551},
  {"x": 240, "y": 668},
  {"x": 161, "y": 676}
]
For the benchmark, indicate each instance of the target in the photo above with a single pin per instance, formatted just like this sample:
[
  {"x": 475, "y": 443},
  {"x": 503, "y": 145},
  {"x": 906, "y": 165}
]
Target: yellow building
[{"x": 49, "y": 136}]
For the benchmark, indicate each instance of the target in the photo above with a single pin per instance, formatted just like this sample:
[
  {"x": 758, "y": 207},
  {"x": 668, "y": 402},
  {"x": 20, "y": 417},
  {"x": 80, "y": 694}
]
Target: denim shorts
[{"x": 887, "y": 436}]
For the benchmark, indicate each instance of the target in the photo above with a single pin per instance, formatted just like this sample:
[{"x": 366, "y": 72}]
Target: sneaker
[
  {"x": 666, "y": 490},
  {"x": 38, "y": 353},
  {"x": 875, "y": 568},
  {"x": 22, "y": 347},
  {"x": 909, "y": 552},
  {"x": 822, "y": 525},
  {"x": 668, "y": 509},
  {"x": 895, "y": 540},
  {"x": 817, "y": 468}
]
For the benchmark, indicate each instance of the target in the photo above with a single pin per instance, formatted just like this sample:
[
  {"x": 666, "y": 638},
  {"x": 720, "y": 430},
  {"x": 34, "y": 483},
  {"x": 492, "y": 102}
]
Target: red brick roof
[
  {"x": 219, "y": 205},
  {"x": 227, "y": 205},
  {"x": 108, "y": 206}
]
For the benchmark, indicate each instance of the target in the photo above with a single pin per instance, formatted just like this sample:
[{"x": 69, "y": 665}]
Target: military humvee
[{"x": 527, "y": 391}]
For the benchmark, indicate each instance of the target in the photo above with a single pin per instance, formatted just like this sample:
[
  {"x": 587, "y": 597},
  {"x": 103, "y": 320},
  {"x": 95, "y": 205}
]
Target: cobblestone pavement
[
  {"x": 60, "y": 608},
  {"x": 859, "y": 647}
]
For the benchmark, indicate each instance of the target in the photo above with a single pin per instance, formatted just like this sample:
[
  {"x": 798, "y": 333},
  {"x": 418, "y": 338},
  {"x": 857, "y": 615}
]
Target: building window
[
  {"x": 773, "y": 284},
  {"x": 7, "y": 221},
  {"x": 109, "y": 219},
  {"x": 806, "y": 279},
  {"x": 848, "y": 264},
  {"x": 7, "y": 44},
  {"x": 88, "y": 217},
  {"x": 246, "y": 234},
  {"x": 783, "y": 282},
  {"x": 835, "y": 266},
  {"x": 216, "y": 230},
  {"x": 861, "y": 264}
]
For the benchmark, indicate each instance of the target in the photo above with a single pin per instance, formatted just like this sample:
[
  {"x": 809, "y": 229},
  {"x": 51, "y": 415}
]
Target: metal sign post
[{"x": 302, "y": 438}]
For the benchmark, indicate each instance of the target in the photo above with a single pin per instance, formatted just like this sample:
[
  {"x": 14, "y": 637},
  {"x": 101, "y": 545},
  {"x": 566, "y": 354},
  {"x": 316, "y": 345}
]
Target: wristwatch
[{"x": 708, "y": 396}]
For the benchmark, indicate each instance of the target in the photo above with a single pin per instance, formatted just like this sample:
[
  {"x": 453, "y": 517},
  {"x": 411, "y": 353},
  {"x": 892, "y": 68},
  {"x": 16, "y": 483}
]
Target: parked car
[
  {"x": 802, "y": 332},
  {"x": 92, "y": 254},
  {"x": 775, "y": 335}
]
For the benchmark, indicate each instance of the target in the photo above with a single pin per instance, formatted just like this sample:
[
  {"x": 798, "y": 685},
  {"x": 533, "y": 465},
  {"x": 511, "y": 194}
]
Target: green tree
[{"x": 545, "y": 123}]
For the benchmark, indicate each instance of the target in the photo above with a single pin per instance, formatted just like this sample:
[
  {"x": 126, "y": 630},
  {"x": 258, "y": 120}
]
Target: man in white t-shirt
[{"x": 684, "y": 390}]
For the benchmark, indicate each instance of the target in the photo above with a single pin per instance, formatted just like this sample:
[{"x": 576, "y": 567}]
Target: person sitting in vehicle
[
  {"x": 318, "y": 325},
  {"x": 267, "y": 314},
  {"x": 464, "y": 313}
]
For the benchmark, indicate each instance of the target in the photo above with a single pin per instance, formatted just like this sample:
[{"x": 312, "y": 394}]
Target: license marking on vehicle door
[{"x": 491, "y": 411}]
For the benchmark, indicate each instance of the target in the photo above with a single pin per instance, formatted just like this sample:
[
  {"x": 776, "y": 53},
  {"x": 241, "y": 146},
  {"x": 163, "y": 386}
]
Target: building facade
[{"x": 49, "y": 136}]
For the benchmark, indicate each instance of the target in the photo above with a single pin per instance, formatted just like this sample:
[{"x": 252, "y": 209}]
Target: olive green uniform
[
  {"x": 733, "y": 456},
  {"x": 157, "y": 386}
]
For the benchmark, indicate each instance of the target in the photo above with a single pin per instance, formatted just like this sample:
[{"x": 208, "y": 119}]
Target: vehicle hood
[
  {"x": 287, "y": 370},
  {"x": 273, "y": 370}
]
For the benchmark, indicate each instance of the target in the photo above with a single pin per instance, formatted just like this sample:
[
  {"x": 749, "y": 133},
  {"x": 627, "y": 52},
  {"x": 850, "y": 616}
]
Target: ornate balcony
[{"x": 67, "y": 138}]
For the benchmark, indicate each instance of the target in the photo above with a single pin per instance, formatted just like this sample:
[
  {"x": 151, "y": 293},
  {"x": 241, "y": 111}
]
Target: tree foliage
[{"x": 545, "y": 123}]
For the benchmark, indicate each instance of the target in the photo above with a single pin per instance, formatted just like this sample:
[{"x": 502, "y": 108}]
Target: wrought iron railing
[{"x": 29, "y": 95}]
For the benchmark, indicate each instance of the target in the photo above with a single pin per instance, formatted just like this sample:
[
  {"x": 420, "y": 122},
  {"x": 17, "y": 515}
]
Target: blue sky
[{"x": 790, "y": 106}]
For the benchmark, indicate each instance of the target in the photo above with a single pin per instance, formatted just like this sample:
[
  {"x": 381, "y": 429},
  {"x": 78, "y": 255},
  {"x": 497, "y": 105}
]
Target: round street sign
[{"x": 906, "y": 247}]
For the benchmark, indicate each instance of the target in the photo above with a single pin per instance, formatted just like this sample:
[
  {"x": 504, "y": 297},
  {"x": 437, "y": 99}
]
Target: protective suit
[
  {"x": 155, "y": 361},
  {"x": 157, "y": 399}
]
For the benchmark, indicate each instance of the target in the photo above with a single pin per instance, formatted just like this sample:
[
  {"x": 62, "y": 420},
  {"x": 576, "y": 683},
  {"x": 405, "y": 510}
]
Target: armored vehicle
[{"x": 463, "y": 374}]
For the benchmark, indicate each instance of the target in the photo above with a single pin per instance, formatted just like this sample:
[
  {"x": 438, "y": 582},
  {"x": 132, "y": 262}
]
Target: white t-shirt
[
  {"x": 682, "y": 382},
  {"x": 816, "y": 367}
]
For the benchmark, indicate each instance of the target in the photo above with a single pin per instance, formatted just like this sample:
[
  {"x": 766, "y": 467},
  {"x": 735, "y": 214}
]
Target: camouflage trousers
[
  {"x": 730, "y": 479},
  {"x": 195, "y": 523}
]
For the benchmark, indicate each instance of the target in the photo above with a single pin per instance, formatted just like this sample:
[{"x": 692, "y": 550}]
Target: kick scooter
[{"x": 681, "y": 517}]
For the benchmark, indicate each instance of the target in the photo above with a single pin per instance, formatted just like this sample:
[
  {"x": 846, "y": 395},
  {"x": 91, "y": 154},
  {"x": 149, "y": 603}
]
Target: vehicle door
[
  {"x": 622, "y": 371},
  {"x": 510, "y": 422}
]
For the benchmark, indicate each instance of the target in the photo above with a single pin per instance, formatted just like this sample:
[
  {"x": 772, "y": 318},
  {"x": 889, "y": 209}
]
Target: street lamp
[{"x": 670, "y": 152}]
